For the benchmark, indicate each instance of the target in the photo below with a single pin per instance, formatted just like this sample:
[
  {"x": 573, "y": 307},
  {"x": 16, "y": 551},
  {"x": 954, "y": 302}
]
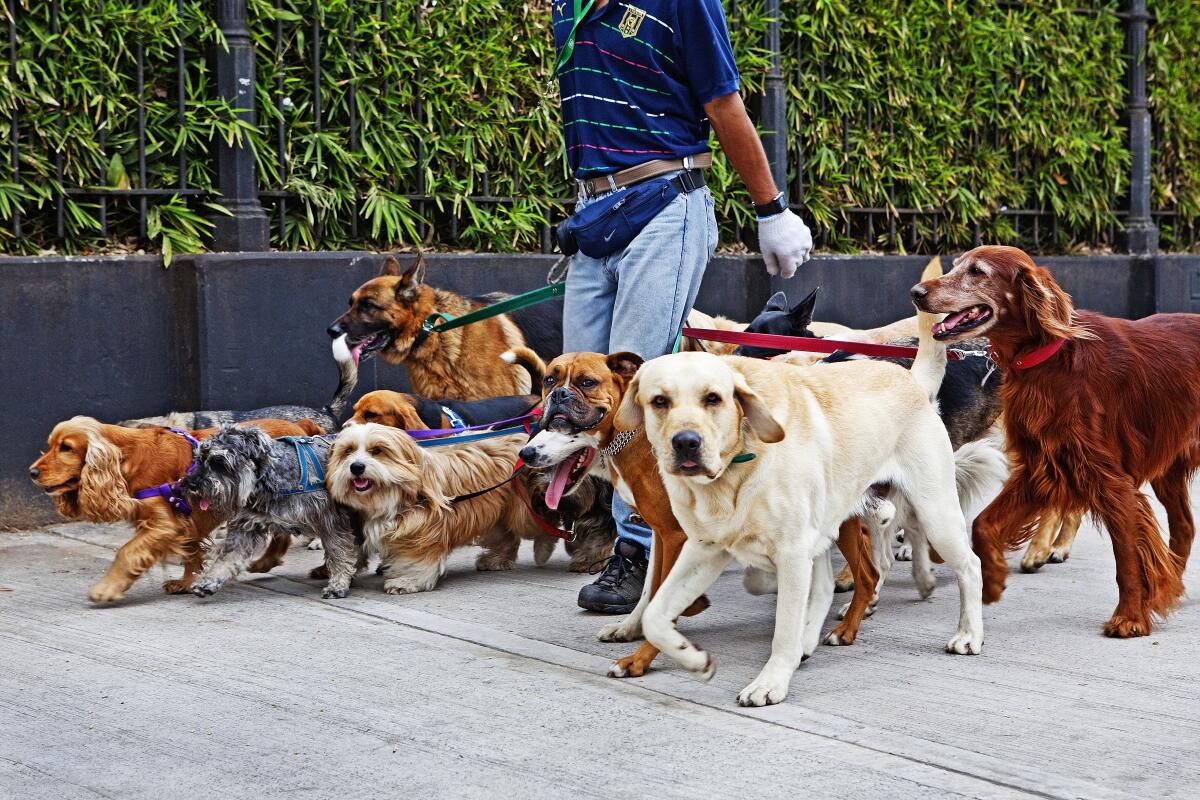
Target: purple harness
[{"x": 173, "y": 492}]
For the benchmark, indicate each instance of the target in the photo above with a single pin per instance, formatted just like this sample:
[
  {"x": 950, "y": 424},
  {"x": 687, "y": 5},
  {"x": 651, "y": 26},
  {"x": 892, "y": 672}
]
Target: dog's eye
[
  {"x": 549, "y": 381},
  {"x": 366, "y": 305},
  {"x": 369, "y": 415},
  {"x": 65, "y": 447},
  {"x": 974, "y": 270},
  {"x": 588, "y": 383},
  {"x": 712, "y": 399},
  {"x": 660, "y": 402},
  {"x": 375, "y": 451}
]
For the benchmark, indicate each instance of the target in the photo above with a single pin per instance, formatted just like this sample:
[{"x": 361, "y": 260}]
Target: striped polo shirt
[{"x": 635, "y": 86}]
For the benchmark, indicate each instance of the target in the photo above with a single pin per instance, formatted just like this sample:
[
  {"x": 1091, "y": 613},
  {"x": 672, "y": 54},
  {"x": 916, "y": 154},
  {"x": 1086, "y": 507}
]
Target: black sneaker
[{"x": 619, "y": 586}]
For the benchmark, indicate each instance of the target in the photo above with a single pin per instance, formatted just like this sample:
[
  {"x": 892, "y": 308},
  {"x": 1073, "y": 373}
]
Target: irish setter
[
  {"x": 92, "y": 470},
  {"x": 1094, "y": 408}
]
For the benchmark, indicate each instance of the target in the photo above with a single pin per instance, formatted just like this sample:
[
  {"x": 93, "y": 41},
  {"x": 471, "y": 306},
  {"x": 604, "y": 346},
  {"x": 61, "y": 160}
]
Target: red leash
[{"x": 776, "y": 341}]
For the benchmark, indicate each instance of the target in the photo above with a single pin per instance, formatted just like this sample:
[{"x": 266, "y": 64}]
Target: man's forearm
[{"x": 741, "y": 145}]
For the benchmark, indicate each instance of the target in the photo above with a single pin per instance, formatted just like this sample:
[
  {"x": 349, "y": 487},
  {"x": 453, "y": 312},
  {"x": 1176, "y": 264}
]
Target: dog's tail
[
  {"x": 929, "y": 366},
  {"x": 980, "y": 469},
  {"x": 347, "y": 379},
  {"x": 1161, "y": 568},
  {"x": 531, "y": 362},
  {"x": 310, "y": 427}
]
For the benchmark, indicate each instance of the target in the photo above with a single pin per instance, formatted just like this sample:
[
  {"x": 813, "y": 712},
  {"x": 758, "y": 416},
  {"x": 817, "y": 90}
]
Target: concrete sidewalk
[{"x": 493, "y": 685}]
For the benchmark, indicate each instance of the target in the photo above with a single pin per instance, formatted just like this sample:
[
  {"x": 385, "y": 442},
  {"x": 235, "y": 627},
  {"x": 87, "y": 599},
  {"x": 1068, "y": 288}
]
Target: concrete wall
[{"x": 121, "y": 337}]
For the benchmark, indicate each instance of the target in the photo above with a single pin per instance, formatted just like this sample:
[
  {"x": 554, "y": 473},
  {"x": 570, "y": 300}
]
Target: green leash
[
  {"x": 438, "y": 322},
  {"x": 564, "y": 55}
]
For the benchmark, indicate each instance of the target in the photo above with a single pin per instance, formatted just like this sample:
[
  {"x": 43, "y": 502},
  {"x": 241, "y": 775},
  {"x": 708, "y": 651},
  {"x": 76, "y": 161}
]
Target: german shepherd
[{"x": 385, "y": 317}]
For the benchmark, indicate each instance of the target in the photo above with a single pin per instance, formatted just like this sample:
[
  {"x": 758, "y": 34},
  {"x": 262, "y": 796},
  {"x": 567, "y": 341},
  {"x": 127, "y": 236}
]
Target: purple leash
[
  {"x": 448, "y": 431},
  {"x": 173, "y": 492}
]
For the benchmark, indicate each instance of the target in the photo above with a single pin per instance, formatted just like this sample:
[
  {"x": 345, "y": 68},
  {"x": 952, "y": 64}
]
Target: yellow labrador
[{"x": 818, "y": 438}]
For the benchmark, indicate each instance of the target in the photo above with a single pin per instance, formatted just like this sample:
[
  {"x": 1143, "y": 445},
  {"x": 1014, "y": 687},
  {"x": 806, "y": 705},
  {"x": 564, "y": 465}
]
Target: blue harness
[{"x": 312, "y": 470}]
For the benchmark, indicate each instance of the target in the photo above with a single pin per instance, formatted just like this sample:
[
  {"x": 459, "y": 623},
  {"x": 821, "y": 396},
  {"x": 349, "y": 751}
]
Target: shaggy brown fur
[
  {"x": 91, "y": 471},
  {"x": 463, "y": 363},
  {"x": 586, "y": 511},
  {"x": 408, "y": 507},
  {"x": 1115, "y": 407}
]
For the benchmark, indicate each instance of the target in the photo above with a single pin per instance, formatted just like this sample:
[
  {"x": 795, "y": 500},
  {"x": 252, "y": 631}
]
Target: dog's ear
[
  {"x": 390, "y": 267},
  {"x": 412, "y": 279},
  {"x": 630, "y": 416},
  {"x": 104, "y": 495},
  {"x": 801, "y": 316},
  {"x": 1047, "y": 306},
  {"x": 625, "y": 364},
  {"x": 778, "y": 302},
  {"x": 755, "y": 411}
]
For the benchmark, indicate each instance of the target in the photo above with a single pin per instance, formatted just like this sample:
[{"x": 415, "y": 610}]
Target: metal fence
[{"x": 248, "y": 226}]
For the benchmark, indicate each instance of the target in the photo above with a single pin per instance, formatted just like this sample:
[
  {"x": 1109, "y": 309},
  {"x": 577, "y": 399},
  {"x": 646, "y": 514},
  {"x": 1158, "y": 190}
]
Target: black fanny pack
[{"x": 608, "y": 225}]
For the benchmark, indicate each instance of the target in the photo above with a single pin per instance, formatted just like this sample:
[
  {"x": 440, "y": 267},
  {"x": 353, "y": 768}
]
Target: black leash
[{"x": 482, "y": 492}]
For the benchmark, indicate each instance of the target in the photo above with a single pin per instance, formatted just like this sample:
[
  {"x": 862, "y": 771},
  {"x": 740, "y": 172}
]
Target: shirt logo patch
[{"x": 631, "y": 22}]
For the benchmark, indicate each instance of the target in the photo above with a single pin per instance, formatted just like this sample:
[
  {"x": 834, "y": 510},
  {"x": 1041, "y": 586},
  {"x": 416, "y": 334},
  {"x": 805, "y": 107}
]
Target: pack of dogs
[{"x": 1002, "y": 429}]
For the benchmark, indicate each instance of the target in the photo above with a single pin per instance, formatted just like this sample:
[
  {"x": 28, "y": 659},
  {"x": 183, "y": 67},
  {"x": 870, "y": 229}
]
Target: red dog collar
[{"x": 1033, "y": 357}]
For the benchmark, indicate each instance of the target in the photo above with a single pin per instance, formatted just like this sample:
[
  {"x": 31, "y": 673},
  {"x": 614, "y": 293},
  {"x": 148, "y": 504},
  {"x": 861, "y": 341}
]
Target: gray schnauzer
[{"x": 268, "y": 486}]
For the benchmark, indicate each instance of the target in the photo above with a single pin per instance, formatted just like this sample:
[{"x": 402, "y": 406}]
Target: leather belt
[{"x": 642, "y": 172}]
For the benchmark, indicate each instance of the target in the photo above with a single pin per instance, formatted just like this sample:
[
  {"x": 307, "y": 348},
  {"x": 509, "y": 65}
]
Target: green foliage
[
  {"x": 439, "y": 125},
  {"x": 1175, "y": 99}
]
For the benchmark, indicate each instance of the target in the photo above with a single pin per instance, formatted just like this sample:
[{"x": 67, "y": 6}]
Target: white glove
[{"x": 785, "y": 242}]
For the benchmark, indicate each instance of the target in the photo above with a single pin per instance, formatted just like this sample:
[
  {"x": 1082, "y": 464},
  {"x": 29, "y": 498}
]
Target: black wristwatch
[{"x": 776, "y": 206}]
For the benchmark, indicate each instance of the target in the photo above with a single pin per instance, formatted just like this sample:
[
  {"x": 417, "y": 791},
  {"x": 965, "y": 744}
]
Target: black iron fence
[{"x": 259, "y": 210}]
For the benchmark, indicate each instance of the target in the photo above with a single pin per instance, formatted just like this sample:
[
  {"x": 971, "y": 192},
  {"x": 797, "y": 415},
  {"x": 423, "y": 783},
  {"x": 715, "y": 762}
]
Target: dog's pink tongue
[
  {"x": 203, "y": 505},
  {"x": 558, "y": 483},
  {"x": 356, "y": 353},
  {"x": 949, "y": 322}
]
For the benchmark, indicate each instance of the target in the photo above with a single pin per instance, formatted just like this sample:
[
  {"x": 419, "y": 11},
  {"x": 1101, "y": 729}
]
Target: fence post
[
  {"x": 247, "y": 227},
  {"x": 774, "y": 103},
  {"x": 1141, "y": 234}
]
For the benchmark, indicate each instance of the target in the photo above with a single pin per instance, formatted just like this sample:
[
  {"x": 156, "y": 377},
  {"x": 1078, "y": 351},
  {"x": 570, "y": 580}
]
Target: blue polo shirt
[{"x": 636, "y": 84}]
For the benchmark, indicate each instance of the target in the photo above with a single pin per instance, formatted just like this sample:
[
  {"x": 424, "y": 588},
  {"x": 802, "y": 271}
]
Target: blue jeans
[{"x": 636, "y": 300}]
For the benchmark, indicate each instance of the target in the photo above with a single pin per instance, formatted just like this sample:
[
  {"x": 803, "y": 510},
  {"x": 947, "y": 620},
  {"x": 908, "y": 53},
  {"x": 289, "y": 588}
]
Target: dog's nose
[
  {"x": 919, "y": 292},
  {"x": 357, "y": 468},
  {"x": 34, "y": 472},
  {"x": 687, "y": 444},
  {"x": 335, "y": 330},
  {"x": 561, "y": 395},
  {"x": 528, "y": 454}
]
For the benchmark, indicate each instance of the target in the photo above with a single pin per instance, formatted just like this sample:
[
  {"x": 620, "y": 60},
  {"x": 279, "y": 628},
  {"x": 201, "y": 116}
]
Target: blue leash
[{"x": 472, "y": 437}]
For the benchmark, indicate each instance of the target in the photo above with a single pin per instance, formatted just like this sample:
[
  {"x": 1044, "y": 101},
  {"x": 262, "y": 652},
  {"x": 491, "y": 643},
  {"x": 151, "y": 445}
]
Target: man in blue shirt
[{"x": 641, "y": 82}]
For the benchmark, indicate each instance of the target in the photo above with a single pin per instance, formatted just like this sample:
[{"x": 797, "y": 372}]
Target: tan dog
[
  {"x": 817, "y": 439},
  {"x": 417, "y": 507},
  {"x": 385, "y": 317},
  {"x": 582, "y": 394}
]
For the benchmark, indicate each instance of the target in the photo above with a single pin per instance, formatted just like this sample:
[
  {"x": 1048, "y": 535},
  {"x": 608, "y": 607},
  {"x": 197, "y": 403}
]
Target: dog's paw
[
  {"x": 205, "y": 588},
  {"x": 628, "y": 667},
  {"x": 177, "y": 587},
  {"x": 965, "y": 643},
  {"x": 329, "y": 593},
  {"x": 926, "y": 582},
  {"x": 620, "y": 632},
  {"x": 1122, "y": 627},
  {"x": 904, "y": 552},
  {"x": 766, "y": 690},
  {"x": 842, "y": 585},
  {"x": 320, "y": 573},
  {"x": 840, "y": 636},
  {"x": 105, "y": 592},
  {"x": 1059, "y": 554},
  {"x": 315, "y": 544},
  {"x": 490, "y": 562},
  {"x": 405, "y": 586}
]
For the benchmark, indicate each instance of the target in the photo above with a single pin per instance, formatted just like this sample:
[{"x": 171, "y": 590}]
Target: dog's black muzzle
[
  {"x": 336, "y": 329},
  {"x": 566, "y": 412}
]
